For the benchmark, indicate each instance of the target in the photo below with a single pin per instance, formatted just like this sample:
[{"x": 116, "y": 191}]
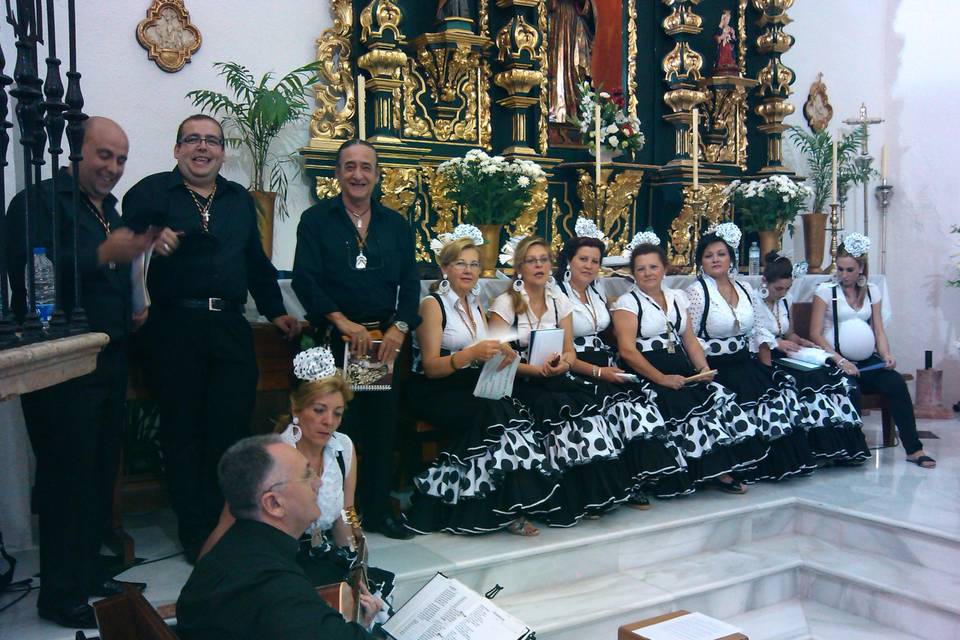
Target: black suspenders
[
  {"x": 706, "y": 309},
  {"x": 443, "y": 310}
]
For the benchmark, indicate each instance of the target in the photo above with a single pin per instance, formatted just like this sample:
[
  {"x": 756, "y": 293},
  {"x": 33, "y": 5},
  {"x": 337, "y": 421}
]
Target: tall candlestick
[
  {"x": 883, "y": 163},
  {"x": 833, "y": 188},
  {"x": 695, "y": 127},
  {"x": 362, "y": 106},
  {"x": 596, "y": 133}
]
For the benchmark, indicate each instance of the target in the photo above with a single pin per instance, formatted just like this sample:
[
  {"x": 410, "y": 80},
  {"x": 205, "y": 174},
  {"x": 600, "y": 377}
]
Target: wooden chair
[
  {"x": 800, "y": 319},
  {"x": 129, "y": 615}
]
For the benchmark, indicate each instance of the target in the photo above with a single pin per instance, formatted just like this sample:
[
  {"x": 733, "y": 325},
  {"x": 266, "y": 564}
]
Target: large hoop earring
[
  {"x": 518, "y": 284},
  {"x": 566, "y": 275},
  {"x": 862, "y": 281},
  {"x": 764, "y": 291},
  {"x": 444, "y": 287}
]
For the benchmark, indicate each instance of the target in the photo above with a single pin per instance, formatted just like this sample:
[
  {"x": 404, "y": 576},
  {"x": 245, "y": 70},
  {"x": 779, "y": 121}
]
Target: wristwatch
[{"x": 402, "y": 326}]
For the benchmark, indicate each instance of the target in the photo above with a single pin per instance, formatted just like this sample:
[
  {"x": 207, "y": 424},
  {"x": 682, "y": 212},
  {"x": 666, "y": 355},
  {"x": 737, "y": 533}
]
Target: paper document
[
  {"x": 692, "y": 626},
  {"x": 544, "y": 344},
  {"x": 493, "y": 384},
  {"x": 446, "y": 609}
]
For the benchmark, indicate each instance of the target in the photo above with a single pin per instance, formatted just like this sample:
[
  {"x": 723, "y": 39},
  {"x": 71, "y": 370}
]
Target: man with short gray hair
[{"x": 250, "y": 585}]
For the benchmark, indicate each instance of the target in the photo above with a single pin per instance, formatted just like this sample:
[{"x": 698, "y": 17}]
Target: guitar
[{"x": 345, "y": 596}]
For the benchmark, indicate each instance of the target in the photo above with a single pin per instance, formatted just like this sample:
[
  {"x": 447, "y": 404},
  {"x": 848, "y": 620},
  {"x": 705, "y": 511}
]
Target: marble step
[{"x": 796, "y": 619}]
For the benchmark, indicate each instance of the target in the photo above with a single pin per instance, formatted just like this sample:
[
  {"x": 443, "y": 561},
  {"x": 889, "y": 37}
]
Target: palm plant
[
  {"x": 256, "y": 113},
  {"x": 818, "y": 149}
]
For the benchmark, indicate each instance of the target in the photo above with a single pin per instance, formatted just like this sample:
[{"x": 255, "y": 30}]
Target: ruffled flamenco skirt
[
  {"x": 712, "y": 432},
  {"x": 493, "y": 469},
  {"x": 769, "y": 397},
  {"x": 830, "y": 417},
  {"x": 598, "y": 438}
]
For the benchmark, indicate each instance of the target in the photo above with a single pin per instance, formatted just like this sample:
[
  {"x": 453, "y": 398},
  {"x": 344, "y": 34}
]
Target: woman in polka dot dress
[
  {"x": 655, "y": 341},
  {"x": 493, "y": 472},
  {"x": 723, "y": 315},
  {"x": 648, "y": 452},
  {"x": 832, "y": 422}
]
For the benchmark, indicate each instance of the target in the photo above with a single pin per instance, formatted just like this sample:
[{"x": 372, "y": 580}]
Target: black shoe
[
  {"x": 78, "y": 617},
  {"x": 391, "y": 528},
  {"x": 114, "y": 587}
]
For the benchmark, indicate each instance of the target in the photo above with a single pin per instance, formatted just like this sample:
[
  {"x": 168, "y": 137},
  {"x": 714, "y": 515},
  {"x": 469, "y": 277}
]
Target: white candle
[
  {"x": 883, "y": 163},
  {"x": 695, "y": 144},
  {"x": 361, "y": 106},
  {"x": 596, "y": 127},
  {"x": 833, "y": 188}
]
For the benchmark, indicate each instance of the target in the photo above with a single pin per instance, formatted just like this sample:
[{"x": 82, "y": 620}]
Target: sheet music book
[
  {"x": 446, "y": 609},
  {"x": 692, "y": 626},
  {"x": 806, "y": 359},
  {"x": 493, "y": 384},
  {"x": 367, "y": 373},
  {"x": 544, "y": 343}
]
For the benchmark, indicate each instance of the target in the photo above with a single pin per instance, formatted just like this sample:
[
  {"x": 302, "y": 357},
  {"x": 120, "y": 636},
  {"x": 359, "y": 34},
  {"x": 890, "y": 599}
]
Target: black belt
[{"x": 209, "y": 304}]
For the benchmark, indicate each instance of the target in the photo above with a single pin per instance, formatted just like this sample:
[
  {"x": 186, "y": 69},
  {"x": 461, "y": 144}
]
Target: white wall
[{"x": 896, "y": 55}]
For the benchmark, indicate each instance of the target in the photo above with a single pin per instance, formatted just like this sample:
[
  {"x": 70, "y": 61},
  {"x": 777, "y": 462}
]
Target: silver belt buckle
[{"x": 211, "y": 304}]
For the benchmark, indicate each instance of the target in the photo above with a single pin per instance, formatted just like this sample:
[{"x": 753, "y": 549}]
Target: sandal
[
  {"x": 523, "y": 527},
  {"x": 921, "y": 460},
  {"x": 639, "y": 500},
  {"x": 732, "y": 486}
]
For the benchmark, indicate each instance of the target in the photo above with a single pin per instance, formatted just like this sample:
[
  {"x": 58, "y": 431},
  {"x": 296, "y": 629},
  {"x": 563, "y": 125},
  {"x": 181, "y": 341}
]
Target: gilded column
[
  {"x": 380, "y": 34},
  {"x": 518, "y": 51},
  {"x": 681, "y": 69},
  {"x": 775, "y": 78}
]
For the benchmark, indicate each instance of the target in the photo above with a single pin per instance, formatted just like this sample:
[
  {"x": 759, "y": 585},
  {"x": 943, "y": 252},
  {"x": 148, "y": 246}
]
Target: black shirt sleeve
[
  {"x": 308, "y": 267},
  {"x": 296, "y": 614},
  {"x": 408, "y": 298}
]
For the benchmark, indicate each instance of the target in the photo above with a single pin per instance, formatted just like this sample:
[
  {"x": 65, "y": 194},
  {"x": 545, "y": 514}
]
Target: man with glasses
[
  {"x": 250, "y": 585},
  {"x": 355, "y": 272},
  {"x": 198, "y": 355}
]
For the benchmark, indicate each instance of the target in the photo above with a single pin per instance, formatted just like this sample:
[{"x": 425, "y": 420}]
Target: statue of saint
[
  {"x": 569, "y": 45},
  {"x": 725, "y": 38},
  {"x": 453, "y": 9}
]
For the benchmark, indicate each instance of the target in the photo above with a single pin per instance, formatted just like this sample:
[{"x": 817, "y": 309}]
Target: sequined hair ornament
[
  {"x": 587, "y": 228},
  {"x": 313, "y": 364},
  {"x": 729, "y": 232},
  {"x": 800, "y": 269},
  {"x": 856, "y": 244},
  {"x": 643, "y": 237},
  {"x": 461, "y": 231},
  {"x": 509, "y": 249}
]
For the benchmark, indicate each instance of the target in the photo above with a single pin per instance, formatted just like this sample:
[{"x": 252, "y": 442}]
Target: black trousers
[
  {"x": 201, "y": 368},
  {"x": 371, "y": 422},
  {"x": 76, "y": 430},
  {"x": 890, "y": 384}
]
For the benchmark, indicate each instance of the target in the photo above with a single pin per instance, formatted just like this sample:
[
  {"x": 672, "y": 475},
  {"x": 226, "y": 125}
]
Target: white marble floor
[{"x": 774, "y": 555}]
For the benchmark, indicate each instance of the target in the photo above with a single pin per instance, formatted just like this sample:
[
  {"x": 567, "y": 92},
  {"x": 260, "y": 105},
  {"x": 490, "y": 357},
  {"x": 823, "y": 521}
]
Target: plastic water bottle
[
  {"x": 754, "y": 256},
  {"x": 43, "y": 285}
]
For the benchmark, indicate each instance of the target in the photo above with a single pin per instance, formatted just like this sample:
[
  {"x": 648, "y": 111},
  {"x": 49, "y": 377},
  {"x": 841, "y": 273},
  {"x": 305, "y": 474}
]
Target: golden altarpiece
[{"x": 440, "y": 77}]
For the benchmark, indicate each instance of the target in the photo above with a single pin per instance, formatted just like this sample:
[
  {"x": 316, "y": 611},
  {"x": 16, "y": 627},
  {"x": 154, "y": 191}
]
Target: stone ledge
[{"x": 44, "y": 364}]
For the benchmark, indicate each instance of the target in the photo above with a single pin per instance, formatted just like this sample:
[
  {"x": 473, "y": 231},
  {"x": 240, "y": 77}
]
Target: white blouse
[
  {"x": 653, "y": 320},
  {"x": 590, "y": 317},
  {"x": 857, "y": 340},
  {"x": 558, "y": 308},
  {"x": 330, "y": 493},
  {"x": 770, "y": 325},
  {"x": 458, "y": 333}
]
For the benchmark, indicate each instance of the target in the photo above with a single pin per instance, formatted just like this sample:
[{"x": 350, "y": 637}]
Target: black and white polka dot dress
[
  {"x": 570, "y": 416},
  {"x": 832, "y": 422},
  {"x": 769, "y": 396},
  {"x": 493, "y": 468},
  {"x": 648, "y": 452},
  {"x": 714, "y": 435}
]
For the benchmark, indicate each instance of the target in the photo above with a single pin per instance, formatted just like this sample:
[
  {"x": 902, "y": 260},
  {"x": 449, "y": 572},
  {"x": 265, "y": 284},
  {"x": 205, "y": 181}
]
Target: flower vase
[
  {"x": 265, "y": 201},
  {"x": 769, "y": 241},
  {"x": 814, "y": 238},
  {"x": 490, "y": 249},
  {"x": 606, "y": 155}
]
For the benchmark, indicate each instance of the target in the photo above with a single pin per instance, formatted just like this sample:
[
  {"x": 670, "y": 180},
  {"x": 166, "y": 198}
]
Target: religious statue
[
  {"x": 817, "y": 109},
  {"x": 570, "y": 44},
  {"x": 725, "y": 37},
  {"x": 453, "y": 9}
]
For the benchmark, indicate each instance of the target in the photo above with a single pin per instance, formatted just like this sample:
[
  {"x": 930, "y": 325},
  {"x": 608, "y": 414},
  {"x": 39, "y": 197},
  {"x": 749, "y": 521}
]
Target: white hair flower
[
  {"x": 800, "y": 269},
  {"x": 856, "y": 244},
  {"x": 508, "y": 250},
  {"x": 461, "y": 231},
  {"x": 643, "y": 237},
  {"x": 313, "y": 364},
  {"x": 729, "y": 232},
  {"x": 587, "y": 228}
]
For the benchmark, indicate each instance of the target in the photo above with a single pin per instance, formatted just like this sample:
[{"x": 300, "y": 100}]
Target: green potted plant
[
  {"x": 767, "y": 206},
  {"x": 253, "y": 116},
  {"x": 493, "y": 192},
  {"x": 817, "y": 149}
]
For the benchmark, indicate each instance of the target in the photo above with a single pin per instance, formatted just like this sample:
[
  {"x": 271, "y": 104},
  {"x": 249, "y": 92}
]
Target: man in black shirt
[
  {"x": 76, "y": 427},
  {"x": 198, "y": 347},
  {"x": 354, "y": 270},
  {"x": 250, "y": 585}
]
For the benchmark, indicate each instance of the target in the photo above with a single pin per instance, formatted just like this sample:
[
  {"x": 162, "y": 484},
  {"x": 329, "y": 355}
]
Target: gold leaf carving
[
  {"x": 327, "y": 187},
  {"x": 336, "y": 98},
  {"x": 527, "y": 220},
  {"x": 616, "y": 200},
  {"x": 542, "y": 127},
  {"x": 168, "y": 35},
  {"x": 693, "y": 219},
  {"x": 444, "y": 207},
  {"x": 398, "y": 188},
  {"x": 416, "y": 120}
]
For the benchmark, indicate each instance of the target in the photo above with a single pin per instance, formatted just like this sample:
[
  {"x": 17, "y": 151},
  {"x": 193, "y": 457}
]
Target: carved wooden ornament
[
  {"x": 167, "y": 35},
  {"x": 817, "y": 109}
]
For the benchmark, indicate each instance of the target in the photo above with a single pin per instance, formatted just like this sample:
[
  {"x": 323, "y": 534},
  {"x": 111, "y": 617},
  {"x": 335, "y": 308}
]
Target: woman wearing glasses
[
  {"x": 317, "y": 406},
  {"x": 568, "y": 410},
  {"x": 648, "y": 453},
  {"x": 492, "y": 474}
]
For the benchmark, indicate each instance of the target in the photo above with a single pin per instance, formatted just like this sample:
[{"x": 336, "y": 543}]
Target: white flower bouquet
[
  {"x": 766, "y": 204},
  {"x": 618, "y": 131},
  {"x": 492, "y": 189}
]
